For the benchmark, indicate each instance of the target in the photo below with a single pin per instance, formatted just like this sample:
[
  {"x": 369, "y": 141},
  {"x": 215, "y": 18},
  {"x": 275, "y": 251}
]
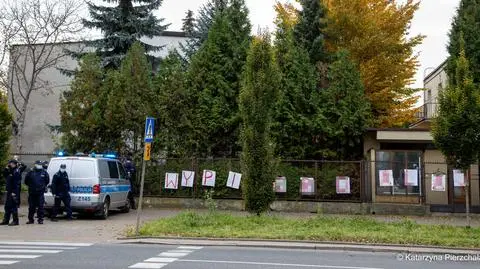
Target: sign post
[{"x": 149, "y": 127}]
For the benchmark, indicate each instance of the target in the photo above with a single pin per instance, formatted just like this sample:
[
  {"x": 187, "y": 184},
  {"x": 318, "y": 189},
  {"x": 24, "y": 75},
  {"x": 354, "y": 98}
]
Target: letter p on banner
[{"x": 208, "y": 178}]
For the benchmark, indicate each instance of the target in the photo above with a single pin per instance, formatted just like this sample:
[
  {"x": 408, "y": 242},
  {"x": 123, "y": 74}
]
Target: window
[
  {"x": 123, "y": 174},
  {"x": 112, "y": 167},
  {"x": 83, "y": 169},
  {"x": 104, "y": 170},
  {"x": 405, "y": 168}
]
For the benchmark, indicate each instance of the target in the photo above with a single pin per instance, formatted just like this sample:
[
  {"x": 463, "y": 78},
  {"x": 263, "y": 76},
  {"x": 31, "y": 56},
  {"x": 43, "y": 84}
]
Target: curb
[{"x": 306, "y": 245}]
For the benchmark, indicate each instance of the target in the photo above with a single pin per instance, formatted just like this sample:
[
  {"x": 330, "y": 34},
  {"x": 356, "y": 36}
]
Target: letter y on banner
[{"x": 187, "y": 178}]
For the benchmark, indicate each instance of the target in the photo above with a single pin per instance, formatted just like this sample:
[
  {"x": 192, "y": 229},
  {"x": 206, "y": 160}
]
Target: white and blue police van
[{"x": 98, "y": 184}]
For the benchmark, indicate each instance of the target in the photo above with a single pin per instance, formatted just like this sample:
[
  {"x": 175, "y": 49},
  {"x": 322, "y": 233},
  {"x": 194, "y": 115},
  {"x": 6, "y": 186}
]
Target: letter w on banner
[
  {"x": 234, "y": 180},
  {"x": 188, "y": 178},
  {"x": 208, "y": 178},
  {"x": 171, "y": 181}
]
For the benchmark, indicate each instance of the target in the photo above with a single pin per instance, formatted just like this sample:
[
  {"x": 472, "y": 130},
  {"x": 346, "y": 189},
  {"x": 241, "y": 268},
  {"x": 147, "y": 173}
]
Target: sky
[{"x": 433, "y": 20}]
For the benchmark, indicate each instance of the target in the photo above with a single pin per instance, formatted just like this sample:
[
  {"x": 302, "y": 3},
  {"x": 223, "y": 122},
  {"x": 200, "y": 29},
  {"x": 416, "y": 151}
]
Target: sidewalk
[{"x": 300, "y": 245}]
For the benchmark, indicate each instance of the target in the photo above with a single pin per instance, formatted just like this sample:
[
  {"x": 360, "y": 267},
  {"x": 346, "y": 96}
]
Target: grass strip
[{"x": 358, "y": 229}]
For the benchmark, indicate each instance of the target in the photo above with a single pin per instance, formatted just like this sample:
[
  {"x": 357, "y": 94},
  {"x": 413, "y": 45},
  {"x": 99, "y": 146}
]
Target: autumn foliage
[{"x": 375, "y": 33}]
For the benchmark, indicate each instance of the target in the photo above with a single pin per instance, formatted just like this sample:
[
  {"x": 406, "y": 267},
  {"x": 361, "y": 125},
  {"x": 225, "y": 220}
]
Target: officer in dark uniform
[
  {"x": 37, "y": 181},
  {"x": 60, "y": 189},
  {"x": 131, "y": 173},
  {"x": 13, "y": 178},
  {"x": 45, "y": 165}
]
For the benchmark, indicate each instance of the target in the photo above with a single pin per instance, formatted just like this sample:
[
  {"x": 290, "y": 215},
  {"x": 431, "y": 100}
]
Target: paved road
[{"x": 44, "y": 255}]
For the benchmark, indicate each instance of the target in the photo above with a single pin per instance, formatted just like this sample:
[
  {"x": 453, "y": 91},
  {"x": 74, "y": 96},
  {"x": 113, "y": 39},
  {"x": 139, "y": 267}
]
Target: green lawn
[{"x": 321, "y": 228}]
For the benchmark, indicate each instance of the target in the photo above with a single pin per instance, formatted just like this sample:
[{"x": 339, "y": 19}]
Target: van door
[
  {"x": 124, "y": 182},
  {"x": 114, "y": 182}
]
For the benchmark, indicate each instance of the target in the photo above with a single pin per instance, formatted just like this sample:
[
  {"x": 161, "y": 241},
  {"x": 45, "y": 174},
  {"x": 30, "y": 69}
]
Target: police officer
[
  {"x": 37, "y": 181},
  {"x": 60, "y": 189},
  {"x": 45, "y": 165},
  {"x": 13, "y": 177},
  {"x": 131, "y": 173}
]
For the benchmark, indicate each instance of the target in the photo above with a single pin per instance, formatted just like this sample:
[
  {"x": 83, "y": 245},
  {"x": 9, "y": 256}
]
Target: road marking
[
  {"x": 278, "y": 264},
  {"x": 7, "y": 262},
  {"x": 34, "y": 243},
  {"x": 29, "y": 251},
  {"x": 180, "y": 251},
  {"x": 173, "y": 254},
  {"x": 19, "y": 256},
  {"x": 190, "y": 247},
  {"x": 167, "y": 260},
  {"x": 148, "y": 265},
  {"x": 37, "y": 247}
]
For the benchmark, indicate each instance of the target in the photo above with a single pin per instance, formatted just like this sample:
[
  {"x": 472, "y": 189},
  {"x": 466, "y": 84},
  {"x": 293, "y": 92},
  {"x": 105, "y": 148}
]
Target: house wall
[
  {"x": 434, "y": 162},
  {"x": 43, "y": 109}
]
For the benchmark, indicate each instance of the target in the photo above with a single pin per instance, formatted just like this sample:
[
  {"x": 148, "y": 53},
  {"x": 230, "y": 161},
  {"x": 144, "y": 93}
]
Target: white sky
[{"x": 432, "y": 20}]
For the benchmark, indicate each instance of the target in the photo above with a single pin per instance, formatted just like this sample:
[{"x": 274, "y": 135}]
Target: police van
[{"x": 97, "y": 184}]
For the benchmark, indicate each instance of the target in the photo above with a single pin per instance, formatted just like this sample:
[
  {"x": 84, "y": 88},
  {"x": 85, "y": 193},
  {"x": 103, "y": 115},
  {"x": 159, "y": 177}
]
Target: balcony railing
[{"x": 427, "y": 112}]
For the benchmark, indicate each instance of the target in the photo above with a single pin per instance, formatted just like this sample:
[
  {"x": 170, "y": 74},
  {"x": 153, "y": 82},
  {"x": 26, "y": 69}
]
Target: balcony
[{"x": 427, "y": 112}]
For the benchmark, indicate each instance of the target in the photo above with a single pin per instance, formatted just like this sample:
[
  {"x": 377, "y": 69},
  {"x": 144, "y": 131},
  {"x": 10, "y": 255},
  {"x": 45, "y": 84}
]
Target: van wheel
[
  {"x": 105, "y": 208},
  {"x": 127, "y": 206}
]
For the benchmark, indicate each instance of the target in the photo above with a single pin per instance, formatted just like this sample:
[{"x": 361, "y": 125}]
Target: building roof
[{"x": 440, "y": 67}]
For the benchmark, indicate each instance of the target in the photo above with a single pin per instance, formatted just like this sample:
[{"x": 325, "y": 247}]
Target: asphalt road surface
[{"x": 45, "y": 255}]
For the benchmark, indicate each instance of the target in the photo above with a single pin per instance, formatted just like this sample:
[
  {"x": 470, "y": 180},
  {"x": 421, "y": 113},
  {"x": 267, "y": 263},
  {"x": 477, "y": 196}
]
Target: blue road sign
[{"x": 149, "y": 126}]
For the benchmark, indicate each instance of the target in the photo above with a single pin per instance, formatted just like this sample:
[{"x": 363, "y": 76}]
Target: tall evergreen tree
[
  {"x": 295, "y": 112},
  {"x": 203, "y": 23},
  {"x": 82, "y": 109},
  {"x": 457, "y": 125},
  {"x": 121, "y": 26},
  {"x": 5, "y": 130},
  {"x": 345, "y": 112},
  {"x": 309, "y": 32},
  {"x": 188, "y": 23},
  {"x": 174, "y": 108},
  {"x": 257, "y": 100},
  {"x": 466, "y": 21},
  {"x": 215, "y": 75},
  {"x": 133, "y": 100}
]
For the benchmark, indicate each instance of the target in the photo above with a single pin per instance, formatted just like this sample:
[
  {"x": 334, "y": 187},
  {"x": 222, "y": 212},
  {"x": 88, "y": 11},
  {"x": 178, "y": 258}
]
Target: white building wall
[
  {"x": 44, "y": 106},
  {"x": 434, "y": 83}
]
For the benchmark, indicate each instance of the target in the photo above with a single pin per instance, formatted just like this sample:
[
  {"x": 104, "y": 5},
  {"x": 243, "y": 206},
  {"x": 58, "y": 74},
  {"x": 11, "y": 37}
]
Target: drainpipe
[{"x": 467, "y": 198}]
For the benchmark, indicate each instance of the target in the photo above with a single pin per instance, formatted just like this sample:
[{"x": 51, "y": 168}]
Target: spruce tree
[
  {"x": 215, "y": 75},
  {"x": 257, "y": 101},
  {"x": 293, "y": 126},
  {"x": 309, "y": 32},
  {"x": 121, "y": 26},
  {"x": 188, "y": 23},
  {"x": 466, "y": 21},
  {"x": 203, "y": 23}
]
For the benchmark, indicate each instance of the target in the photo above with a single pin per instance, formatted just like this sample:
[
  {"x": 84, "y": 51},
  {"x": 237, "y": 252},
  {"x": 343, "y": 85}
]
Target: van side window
[
  {"x": 123, "y": 174},
  {"x": 112, "y": 167},
  {"x": 83, "y": 169},
  {"x": 104, "y": 170}
]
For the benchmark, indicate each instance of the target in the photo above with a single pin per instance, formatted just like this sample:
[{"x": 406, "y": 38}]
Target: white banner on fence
[
  {"x": 188, "y": 178},
  {"x": 343, "y": 185},
  {"x": 458, "y": 178},
  {"x": 307, "y": 185},
  {"x": 234, "y": 180},
  {"x": 386, "y": 178},
  {"x": 280, "y": 185},
  {"x": 411, "y": 177},
  {"x": 438, "y": 182},
  {"x": 171, "y": 181},
  {"x": 208, "y": 178}
]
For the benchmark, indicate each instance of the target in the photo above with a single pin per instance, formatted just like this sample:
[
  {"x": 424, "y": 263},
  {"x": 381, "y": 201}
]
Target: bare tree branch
[{"x": 39, "y": 30}]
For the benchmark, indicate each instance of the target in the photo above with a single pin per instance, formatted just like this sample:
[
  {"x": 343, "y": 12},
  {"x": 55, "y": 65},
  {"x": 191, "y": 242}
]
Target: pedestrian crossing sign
[{"x": 149, "y": 126}]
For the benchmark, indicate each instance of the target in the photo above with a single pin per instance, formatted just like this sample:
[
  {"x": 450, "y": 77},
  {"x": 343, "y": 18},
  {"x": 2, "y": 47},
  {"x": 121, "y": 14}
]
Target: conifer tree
[
  {"x": 466, "y": 21},
  {"x": 5, "y": 128},
  {"x": 214, "y": 76},
  {"x": 121, "y": 26},
  {"x": 257, "y": 100}
]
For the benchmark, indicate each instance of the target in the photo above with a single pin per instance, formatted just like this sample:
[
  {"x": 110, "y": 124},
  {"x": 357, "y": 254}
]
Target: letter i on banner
[
  {"x": 208, "y": 178},
  {"x": 188, "y": 178},
  {"x": 234, "y": 180}
]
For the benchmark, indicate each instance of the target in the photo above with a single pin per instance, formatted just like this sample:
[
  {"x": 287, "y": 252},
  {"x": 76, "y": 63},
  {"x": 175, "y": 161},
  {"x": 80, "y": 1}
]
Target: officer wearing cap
[
  {"x": 37, "y": 181},
  {"x": 13, "y": 178},
  {"x": 60, "y": 190},
  {"x": 131, "y": 175}
]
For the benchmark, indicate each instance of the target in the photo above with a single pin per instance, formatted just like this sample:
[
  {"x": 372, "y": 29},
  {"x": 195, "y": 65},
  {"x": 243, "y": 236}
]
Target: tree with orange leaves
[{"x": 375, "y": 33}]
